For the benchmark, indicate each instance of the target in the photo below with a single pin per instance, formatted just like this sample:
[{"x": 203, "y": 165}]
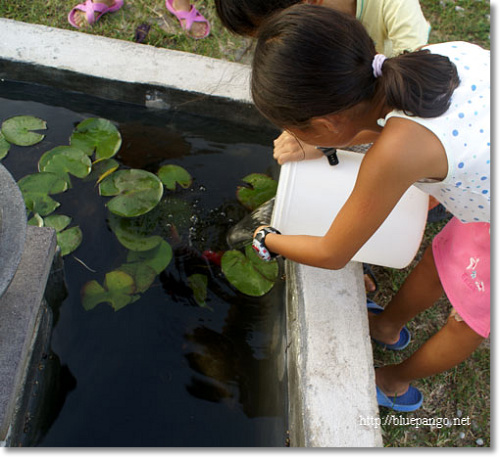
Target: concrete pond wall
[{"x": 329, "y": 355}]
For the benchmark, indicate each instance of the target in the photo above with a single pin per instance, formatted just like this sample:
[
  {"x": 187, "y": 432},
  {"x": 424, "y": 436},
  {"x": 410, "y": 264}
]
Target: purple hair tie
[{"x": 377, "y": 63}]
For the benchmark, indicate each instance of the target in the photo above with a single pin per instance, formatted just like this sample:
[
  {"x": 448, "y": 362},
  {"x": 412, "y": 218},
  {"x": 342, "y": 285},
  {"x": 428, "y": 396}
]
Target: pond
[{"x": 166, "y": 369}]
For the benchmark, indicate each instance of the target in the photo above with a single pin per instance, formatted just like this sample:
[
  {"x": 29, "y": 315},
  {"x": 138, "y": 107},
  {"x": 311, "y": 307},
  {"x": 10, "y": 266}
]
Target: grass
[
  {"x": 463, "y": 391},
  {"x": 164, "y": 32}
]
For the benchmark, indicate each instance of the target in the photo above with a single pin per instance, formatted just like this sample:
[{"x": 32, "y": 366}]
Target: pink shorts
[{"x": 462, "y": 257}]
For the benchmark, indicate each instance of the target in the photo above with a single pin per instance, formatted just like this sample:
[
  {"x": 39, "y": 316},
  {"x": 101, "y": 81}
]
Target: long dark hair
[
  {"x": 312, "y": 61},
  {"x": 243, "y": 17}
]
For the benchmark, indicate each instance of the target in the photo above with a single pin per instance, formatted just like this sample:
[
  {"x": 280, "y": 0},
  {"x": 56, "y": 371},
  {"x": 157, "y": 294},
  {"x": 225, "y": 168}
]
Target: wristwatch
[{"x": 259, "y": 243}]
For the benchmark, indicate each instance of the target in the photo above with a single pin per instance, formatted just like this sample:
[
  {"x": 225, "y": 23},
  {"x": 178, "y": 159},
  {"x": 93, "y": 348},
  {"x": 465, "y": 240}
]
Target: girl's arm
[
  {"x": 404, "y": 153},
  {"x": 406, "y": 25}
]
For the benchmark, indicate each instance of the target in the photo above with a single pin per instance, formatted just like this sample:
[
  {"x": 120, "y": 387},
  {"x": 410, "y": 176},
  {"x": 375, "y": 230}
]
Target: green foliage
[
  {"x": 198, "y": 284},
  {"x": 260, "y": 190},
  {"x": 248, "y": 273},
  {"x": 18, "y": 130},
  {"x": 65, "y": 160},
  {"x": 171, "y": 175},
  {"x": 157, "y": 258},
  {"x": 98, "y": 135},
  {"x": 57, "y": 221},
  {"x": 142, "y": 274},
  {"x": 69, "y": 239},
  {"x": 4, "y": 146},
  {"x": 118, "y": 290},
  {"x": 133, "y": 234},
  {"x": 37, "y": 188},
  {"x": 135, "y": 192},
  {"x": 103, "y": 169}
]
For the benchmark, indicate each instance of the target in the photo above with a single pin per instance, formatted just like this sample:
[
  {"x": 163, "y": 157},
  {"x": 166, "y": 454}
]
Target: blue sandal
[
  {"x": 404, "y": 335},
  {"x": 409, "y": 401}
]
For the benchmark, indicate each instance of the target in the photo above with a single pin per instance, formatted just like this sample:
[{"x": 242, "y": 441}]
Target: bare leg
[
  {"x": 419, "y": 292},
  {"x": 447, "y": 348}
]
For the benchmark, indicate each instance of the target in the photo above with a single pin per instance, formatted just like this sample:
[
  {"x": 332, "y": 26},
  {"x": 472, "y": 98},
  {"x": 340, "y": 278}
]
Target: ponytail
[
  {"x": 419, "y": 83},
  {"x": 312, "y": 61}
]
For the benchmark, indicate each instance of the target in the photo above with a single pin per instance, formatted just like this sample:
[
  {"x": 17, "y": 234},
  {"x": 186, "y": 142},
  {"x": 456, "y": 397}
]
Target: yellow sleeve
[{"x": 394, "y": 25}]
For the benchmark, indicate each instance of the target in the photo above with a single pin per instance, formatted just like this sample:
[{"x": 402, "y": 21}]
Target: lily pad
[
  {"x": 142, "y": 273},
  {"x": 69, "y": 240},
  {"x": 99, "y": 135},
  {"x": 135, "y": 192},
  {"x": 198, "y": 284},
  {"x": 57, "y": 221},
  {"x": 261, "y": 189},
  {"x": 65, "y": 159},
  {"x": 171, "y": 175},
  {"x": 157, "y": 258},
  {"x": 118, "y": 291},
  {"x": 4, "y": 146},
  {"x": 102, "y": 169},
  {"x": 36, "y": 221},
  {"x": 132, "y": 234},
  {"x": 18, "y": 130},
  {"x": 36, "y": 189},
  {"x": 248, "y": 273}
]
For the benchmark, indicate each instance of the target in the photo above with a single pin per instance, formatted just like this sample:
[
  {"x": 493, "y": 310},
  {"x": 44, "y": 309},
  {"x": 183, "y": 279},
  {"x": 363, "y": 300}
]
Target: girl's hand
[
  {"x": 260, "y": 228},
  {"x": 288, "y": 148}
]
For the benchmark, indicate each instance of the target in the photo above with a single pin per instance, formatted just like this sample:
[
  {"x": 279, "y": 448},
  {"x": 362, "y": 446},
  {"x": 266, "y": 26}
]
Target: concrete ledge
[
  {"x": 12, "y": 228},
  {"x": 112, "y": 59},
  {"x": 330, "y": 361},
  {"x": 21, "y": 312},
  {"x": 126, "y": 71}
]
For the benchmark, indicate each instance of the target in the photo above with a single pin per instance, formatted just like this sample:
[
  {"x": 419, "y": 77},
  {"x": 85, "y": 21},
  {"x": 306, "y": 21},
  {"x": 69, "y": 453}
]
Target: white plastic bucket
[{"x": 311, "y": 193}]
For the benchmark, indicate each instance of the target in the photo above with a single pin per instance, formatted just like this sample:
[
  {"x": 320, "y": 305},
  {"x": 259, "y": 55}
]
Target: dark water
[{"x": 162, "y": 371}]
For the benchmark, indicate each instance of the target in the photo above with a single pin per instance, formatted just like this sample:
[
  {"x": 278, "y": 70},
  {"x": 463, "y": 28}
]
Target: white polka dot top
[{"x": 464, "y": 131}]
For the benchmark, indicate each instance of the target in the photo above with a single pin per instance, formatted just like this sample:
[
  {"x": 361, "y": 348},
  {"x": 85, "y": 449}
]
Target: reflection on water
[{"x": 162, "y": 371}]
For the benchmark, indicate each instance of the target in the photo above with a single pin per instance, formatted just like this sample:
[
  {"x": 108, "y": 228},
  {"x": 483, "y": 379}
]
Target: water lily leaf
[
  {"x": 65, "y": 159},
  {"x": 102, "y": 169},
  {"x": 69, "y": 240},
  {"x": 157, "y": 258},
  {"x": 18, "y": 130},
  {"x": 36, "y": 221},
  {"x": 57, "y": 221},
  {"x": 248, "y": 273},
  {"x": 261, "y": 189},
  {"x": 171, "y": 175},
  {"x": 132, "y": 234},
  {"x": 4, "y": 146},
  {"x": 36, "y": 189},
  {"x": 135, "y": 192},
  {"x": 95, "y": 134},
  {"x": 198, "y": 284},
  {"x": 117, "y": 291},
  {"x": 142, "y": 273}
]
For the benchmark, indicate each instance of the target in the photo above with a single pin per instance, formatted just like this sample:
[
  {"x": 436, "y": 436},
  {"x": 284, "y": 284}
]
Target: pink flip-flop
[
  {"x": 187, "y": 18},
  {"x": 89, "y": 8}
]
